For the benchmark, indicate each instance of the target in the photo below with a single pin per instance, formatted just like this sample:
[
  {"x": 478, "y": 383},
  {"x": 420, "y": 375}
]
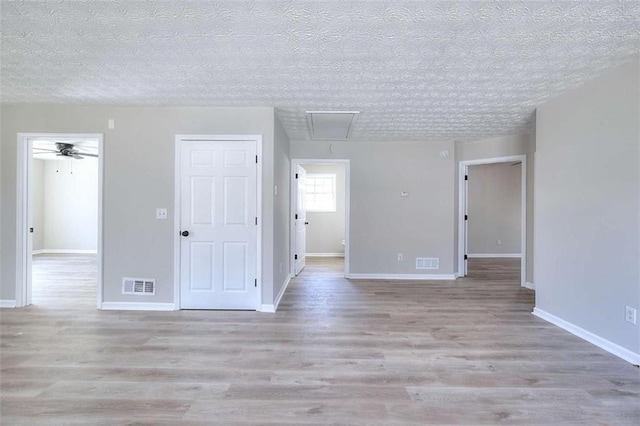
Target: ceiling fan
[{"x": 65, "y": 149}]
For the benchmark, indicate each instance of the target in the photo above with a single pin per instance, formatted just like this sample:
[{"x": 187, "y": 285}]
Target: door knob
[
  {"x": 185, "y": 233},
  {"x": 306, "y": 223}
]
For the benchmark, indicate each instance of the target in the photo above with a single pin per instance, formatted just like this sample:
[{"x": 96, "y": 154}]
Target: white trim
[
  {"x": 600, "y": 342},
  {"x": 137, "y": 306},
  {"x": 177, "y": 219},
  {"x": 7, "y": 303},
  {"x": 494, "y": 255},
  {"x": 462, "y": 210},
  {"x": 267, "y": 308},
  {"x": 23, "y": 252},
  {"x": 293, "y": 203},
  {"x": 272, "y": 308},
  {"x": 64, "y": 251},
  {"x": 429, "y": 277},
  {"x": 529, "y": 285},
  {"x": 325, "y": 254}
]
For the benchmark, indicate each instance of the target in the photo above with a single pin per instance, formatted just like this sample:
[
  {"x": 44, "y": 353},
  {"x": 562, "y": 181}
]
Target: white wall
[
  {"x": 71, "y": 205},
  {"x": 494, "y": 208},
  {"x": 138, "y": 178},
  {"x": 382, "y": 223},
  {"x": 586, "y": 213},
  {"x": 325, "y": 231},
  {"x": 37, "y": 199}
]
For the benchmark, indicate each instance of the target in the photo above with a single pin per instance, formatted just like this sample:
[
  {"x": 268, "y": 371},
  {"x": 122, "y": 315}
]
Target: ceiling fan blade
[
  {"x": 77, "y": 157},
  {"x": 85, "y": 154},
  {"x": 44, "y": 151}
]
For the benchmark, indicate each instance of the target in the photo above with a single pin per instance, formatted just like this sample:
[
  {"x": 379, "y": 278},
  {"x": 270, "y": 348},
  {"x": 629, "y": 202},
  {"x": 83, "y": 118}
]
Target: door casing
[
  {"x": 462, "y": 211},
  {"x": 293, "y": 203},
  {"x": 24, "y": 213},
  {"x": 177, "y": 207}
]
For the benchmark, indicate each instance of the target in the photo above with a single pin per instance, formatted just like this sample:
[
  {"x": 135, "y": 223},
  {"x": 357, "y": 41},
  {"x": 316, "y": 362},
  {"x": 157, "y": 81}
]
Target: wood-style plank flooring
[{"x": 336, "y": 352}]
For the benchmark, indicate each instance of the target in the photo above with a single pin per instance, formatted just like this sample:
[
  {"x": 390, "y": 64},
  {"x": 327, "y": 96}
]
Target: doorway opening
[
  {"x": 492, "y": 219},
  {"x": 320, "y": 214},
  {"x": 59, "y": 232}
]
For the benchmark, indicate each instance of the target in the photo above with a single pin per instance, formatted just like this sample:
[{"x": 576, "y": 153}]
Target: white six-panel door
[
  {"x": 218, "y": 250},
  {"x": 300, "y": 220}
]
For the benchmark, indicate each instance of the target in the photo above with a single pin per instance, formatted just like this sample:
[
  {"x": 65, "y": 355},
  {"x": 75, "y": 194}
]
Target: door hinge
[
  {"x": 296, "y": 176},
  {"x": 295, "y": 257},
  {"x": 466, "y": 217},
  {"x": 466, "y": 177},
  {"x": 31, "y": 230},
  {"x": 296, "y": 215},
  {"x": 465, "y": 257},
  {"x": 255, "y": 283},
  {"x": 256, "y": 220},
  {"x": 256, "y": 159}
]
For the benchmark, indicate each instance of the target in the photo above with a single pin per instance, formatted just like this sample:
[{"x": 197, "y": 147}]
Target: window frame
[{"x": 331, "y": 209}]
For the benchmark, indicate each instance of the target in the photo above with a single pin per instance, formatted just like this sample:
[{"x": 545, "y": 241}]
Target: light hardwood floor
[{"x": 336, "y": 352}]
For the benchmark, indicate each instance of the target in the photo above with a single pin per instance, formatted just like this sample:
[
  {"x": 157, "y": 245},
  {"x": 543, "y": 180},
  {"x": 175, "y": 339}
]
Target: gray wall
[
  {"x": 325, "y": 231},
  {"x": 138, "y": 178},
  {"x": 494, "y": 207},
  {"x": 38, "y": 204},
  {"x": 503, "y": 147},
  {"x": 281, "y": 176},
  {"x": 382, "y": 223},
  {"x": 586, "y": 212}
]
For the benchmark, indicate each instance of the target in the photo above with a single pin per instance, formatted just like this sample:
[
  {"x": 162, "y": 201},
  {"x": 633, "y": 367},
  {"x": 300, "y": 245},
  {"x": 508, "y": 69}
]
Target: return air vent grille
[
  {"x": 143, "y": 286},
  {"x": 427, "y": 263}
]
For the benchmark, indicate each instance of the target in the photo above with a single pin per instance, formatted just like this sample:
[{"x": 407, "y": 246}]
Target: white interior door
[
  {"x": 218, "y": 250},
  {"x": 300, "y": 219}
]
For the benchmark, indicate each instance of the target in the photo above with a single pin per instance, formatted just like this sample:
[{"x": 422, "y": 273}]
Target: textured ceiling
[{"x": 418, "y": 70}]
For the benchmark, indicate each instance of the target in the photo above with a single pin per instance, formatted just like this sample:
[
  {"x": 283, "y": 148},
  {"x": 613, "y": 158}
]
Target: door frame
[
  {"x": 177, "y": 207},
  {"x": 462, "y": 211},
  {"x": 293, "y": 203},
  {"x": 23, "y": 211}
]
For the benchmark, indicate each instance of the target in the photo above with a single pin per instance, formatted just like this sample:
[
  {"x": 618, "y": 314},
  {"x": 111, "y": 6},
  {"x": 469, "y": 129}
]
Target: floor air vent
[
  {"x": 145, "y": 286},
  {"x": 427, "y": 263}
]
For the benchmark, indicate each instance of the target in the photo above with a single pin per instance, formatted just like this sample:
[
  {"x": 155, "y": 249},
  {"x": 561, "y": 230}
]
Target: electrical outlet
[
  {"x": 161, "y": 213},
  {"x": 499, "y": 242},
  {"x": 400, "y": 257},
  {"x": 630, "y": 315}
]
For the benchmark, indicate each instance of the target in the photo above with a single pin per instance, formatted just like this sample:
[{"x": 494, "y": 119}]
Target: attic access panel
[{"x": 331, "y": 125}]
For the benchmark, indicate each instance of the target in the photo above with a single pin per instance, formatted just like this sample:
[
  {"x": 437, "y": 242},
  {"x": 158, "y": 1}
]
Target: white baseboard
[
  {"x": 7, "y": 303},
  {"x": 499, "y": 255},
  {"x": 268, "y": 308},
  {"x": 529, "y": 285},
  {"x": 324, "y": 254},
  {"x": 602, "y": 343},
  {"x": 401, "y": 276},
  {"x": 64, "y": 251},
  {"x": 137, "y": 306}
]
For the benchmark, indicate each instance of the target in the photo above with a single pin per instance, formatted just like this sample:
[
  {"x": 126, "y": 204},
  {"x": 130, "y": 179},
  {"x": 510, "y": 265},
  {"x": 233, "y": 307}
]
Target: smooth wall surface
[
  {"x": 325, "y": 231},
  {"x": 586, "y": 213},
  {"x": 494, "y": 207},
  {"x": 71, "y": 205},
  {"x": 138, "y": 178},
  {"x": 382, "y": 222},
  {"x": 38, "y": 204},
  {"x": 281, "y": 176}
]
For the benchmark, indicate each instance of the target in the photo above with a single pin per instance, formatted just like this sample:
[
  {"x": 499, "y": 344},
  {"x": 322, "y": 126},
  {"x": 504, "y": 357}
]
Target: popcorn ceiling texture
[{"x": 418, "y": 70}]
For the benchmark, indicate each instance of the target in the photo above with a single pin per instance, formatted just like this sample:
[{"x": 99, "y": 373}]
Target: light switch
[
  {"x": 111, "y": 123},
  {"x": 161, "y": 213}
]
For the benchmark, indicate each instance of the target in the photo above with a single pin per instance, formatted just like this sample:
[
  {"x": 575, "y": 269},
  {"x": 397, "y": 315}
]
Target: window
[{"x": 321, "y": 193}]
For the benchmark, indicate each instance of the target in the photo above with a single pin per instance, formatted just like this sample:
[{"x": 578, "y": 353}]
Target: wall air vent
[
  {"x": 331, "y": 125},
  {"x": 142, "y": 286},
  {"x": 427, "y": 263}
]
